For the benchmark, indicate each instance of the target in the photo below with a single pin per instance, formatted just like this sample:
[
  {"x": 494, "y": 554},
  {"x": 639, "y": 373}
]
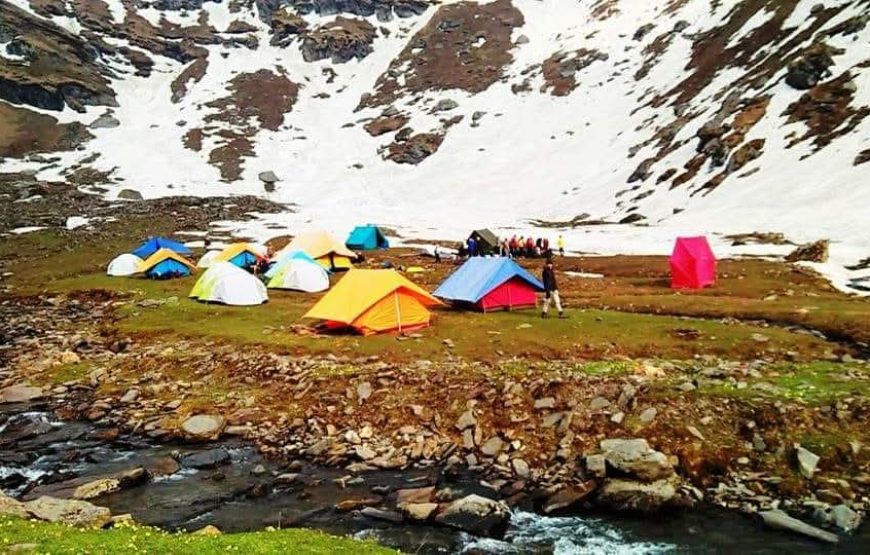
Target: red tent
[
  {"x": 693, "y": 264},
  {"x": 514, "y": 293}
]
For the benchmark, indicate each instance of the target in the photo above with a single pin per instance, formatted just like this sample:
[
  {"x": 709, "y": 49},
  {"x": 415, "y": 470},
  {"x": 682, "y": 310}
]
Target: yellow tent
[
  {"x": 166, "y": 263},
  {"x": 320, "y": 246},
  {"x": 375, "y": 301}
]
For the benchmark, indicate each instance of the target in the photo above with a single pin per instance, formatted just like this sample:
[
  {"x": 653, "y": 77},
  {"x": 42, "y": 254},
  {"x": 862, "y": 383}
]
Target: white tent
[
  {"x": 207, "y": 259},
  {"x": 301, "y": 275},
  {"x": 124, "y": 265},
  {"x": 226, "y": 283}
]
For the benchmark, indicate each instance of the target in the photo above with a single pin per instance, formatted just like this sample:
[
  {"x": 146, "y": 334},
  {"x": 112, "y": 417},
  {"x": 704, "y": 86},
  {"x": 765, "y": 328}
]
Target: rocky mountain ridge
[{"x": 729, "y": 116}]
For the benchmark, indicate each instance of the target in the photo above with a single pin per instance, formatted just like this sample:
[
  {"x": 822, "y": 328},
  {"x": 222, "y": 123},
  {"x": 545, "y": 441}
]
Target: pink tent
[{"x": 693, "y": 264}]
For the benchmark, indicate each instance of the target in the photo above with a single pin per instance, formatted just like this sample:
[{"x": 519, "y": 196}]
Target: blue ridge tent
[
  {"x": 279, "y": 262},
  {"x": 154, "y": 244},
  {"x": 366, "y": 238},
  {"x": 490, "y": 284}
]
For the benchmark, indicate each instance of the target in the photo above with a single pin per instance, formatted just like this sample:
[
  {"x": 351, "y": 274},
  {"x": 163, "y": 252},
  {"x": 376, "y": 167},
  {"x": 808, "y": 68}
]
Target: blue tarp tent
[
  {"x": 490, "y": 284},
  {"x": 154, "y": 244},
  {"x": 281, "y": 260},
  {"x": 366, "y": 238}
]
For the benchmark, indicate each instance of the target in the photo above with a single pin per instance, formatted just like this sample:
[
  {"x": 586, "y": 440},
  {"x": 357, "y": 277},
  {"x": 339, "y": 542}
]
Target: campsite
[{"x": 516, "y": 400}]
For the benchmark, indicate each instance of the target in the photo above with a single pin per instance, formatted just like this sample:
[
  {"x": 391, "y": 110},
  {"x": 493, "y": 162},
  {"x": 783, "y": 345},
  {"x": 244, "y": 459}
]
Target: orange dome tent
[{"x": 375, "y": 301}]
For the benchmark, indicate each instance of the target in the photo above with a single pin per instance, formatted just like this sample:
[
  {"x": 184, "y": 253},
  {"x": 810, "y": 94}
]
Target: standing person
[
  {"x": 437, "y": 255},
  {"x": 560, "y": 243},
  {"x": 551, "y": 290},
  {"x": 521, "y": 245},
  {"x": 512, "y": 245},
  {"x": 530, "y": 246},
  {"x": 545, "y": 247}
]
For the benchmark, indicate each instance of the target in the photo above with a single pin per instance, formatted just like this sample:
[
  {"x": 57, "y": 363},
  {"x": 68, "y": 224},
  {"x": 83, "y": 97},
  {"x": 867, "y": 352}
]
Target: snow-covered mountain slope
[{"x": 676, "y": 116}]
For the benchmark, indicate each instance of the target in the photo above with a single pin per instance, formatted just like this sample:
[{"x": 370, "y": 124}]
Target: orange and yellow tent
[
  {"x": 323, "y": 248},
  {"x": 375, "y": 301}
]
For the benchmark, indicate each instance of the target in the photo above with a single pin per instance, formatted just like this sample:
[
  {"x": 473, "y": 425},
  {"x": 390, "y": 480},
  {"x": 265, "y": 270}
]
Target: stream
[{"x": 41, "y": 456}]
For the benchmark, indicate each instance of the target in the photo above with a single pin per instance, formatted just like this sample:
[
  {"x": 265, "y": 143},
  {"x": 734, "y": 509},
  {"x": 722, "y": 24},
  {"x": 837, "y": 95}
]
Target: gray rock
[
  {"x": 522, "y": 39},
  {"x": 129, "y": 194},
  {"x": 9, "y": 506},
  {"x": 363, "y": 391},
  {"x": 467, "y": 420},
  {"x": 635, "y": 458},
  {"x": 419, "y": 512},
  {"x": 568, "y": 497},
  {"x": 521, "y": 468},
  {"x": 130, "y": 396},
  {"x": 807, "y": 461},
  {"x": 630, "y": 495},
  {"x": 268, "y": 177},
  {"x": 380, "y": 514},
  {"x": 20, "y": 394},
  {"x": 596, "y": 465},
  {"x": 477, "y": 515},
  {"x": 492, "y": 446},
  {"x": 445, "y": 105},
  {"x": 206, "y": 459},
  {"x": 681, "y": 26},
  {"x": 203, "y": 427},
  {"x": 648, "y": 415},
  {"x": 106, "y": 121},
  {"x": 72, "y": 512},
  {"x": 845, "y": 518},
  {"x": 545, "y": 403},
  {"x": 365, "y": 452},
  {"x": 781, "y": 521},
  {"x": 598, "y": 403}
]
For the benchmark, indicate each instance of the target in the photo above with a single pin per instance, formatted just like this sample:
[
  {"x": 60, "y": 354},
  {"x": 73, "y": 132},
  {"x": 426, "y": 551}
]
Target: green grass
[
  {"x": 69, "y": 372},
  {"x": 56, "y": 538},
  {"x": 815, "y": 383}
]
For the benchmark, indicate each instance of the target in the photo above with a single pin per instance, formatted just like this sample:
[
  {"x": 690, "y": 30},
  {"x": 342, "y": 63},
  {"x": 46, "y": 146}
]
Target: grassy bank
[{"x": 23, "y": 536}]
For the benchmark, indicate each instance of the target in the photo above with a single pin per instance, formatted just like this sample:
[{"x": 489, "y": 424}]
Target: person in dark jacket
[{"x": 551, "y": 290}]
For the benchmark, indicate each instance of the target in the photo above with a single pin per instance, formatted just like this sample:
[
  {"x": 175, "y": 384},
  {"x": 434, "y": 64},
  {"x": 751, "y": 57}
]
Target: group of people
[{"x": 515, "y": 247}]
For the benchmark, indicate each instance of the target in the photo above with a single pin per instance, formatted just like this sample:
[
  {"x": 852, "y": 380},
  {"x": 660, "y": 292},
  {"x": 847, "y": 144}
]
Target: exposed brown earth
[
  {"x": 26, "y": 132},
  {"x": 341, "y": 40},
  {"x": 415, "y": 148},
  {"x": 464, "y": 46},
  {"x": 192, "y": 74},
  {"x": 827, "y": 111},
  {"x": 263, "y": 96},
  {"x": 193, "y": 139},
  {"x": 386, "y": 124},
  {"x": 286, "y": 25},
  {"x": 560, "y": 70}
]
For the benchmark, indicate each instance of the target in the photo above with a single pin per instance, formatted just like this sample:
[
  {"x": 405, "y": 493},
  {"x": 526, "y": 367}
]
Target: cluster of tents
[{"x": 366, "y": 301}]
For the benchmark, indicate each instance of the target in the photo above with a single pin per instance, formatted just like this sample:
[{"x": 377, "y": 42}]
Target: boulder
[
  {"x": 206, "y": 459},
  {"x": 380, "y": 514},
  {"x": 208, "y": 530},
  {"x": 781, "y": 521},
  {"x": 72, "y": 512},
  {"x": 106, "y": 121},
  {"x": 492, "y": 447},
  {"x": 568, "y": 497},
  {"x": 129, "y": 194},
  {"x": 414, "y": 495},
  {"x": 630, "y": 495},
  {"x": 596, "y": 465},
  {"x": 476, "y": 515},
  {"x": 10, "y": 506},
  {"x": 20, "y": 394},
  {"x": 348, "y": 505},
  {"x": 203, "y": 427},
  {"x": 103, "y": 486},
  {"x": 635, "y": 458},
  {"x": 445, "y": 105},
  {"x": 419, "y": 512},
  {"x": 467, "y": 420},
  {"x": 268, "y": 177}
]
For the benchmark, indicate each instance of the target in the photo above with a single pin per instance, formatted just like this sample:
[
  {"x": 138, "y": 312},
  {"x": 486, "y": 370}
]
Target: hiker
[
  {"x": 472, "y": 247},
  {"x": 551, "y": 290},
  {"x": 478, "y": 246},
  {"x": 560, "y": 244},
  {"x": 512, "y": 245},
  {"x": 437, "y": 255},
  {"x": 545, "y": 247},
  {"x": 530, "y": 247}
]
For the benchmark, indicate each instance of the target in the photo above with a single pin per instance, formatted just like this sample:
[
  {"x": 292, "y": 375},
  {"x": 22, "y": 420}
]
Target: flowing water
[{"x": 39, "y": 455}]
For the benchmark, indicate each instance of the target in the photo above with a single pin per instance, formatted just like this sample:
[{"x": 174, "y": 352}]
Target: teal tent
[{"x": 366, "y": 238}]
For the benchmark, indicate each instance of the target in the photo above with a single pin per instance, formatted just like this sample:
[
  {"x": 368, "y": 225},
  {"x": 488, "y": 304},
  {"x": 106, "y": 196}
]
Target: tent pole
[{"x": 398, "y": 310}]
